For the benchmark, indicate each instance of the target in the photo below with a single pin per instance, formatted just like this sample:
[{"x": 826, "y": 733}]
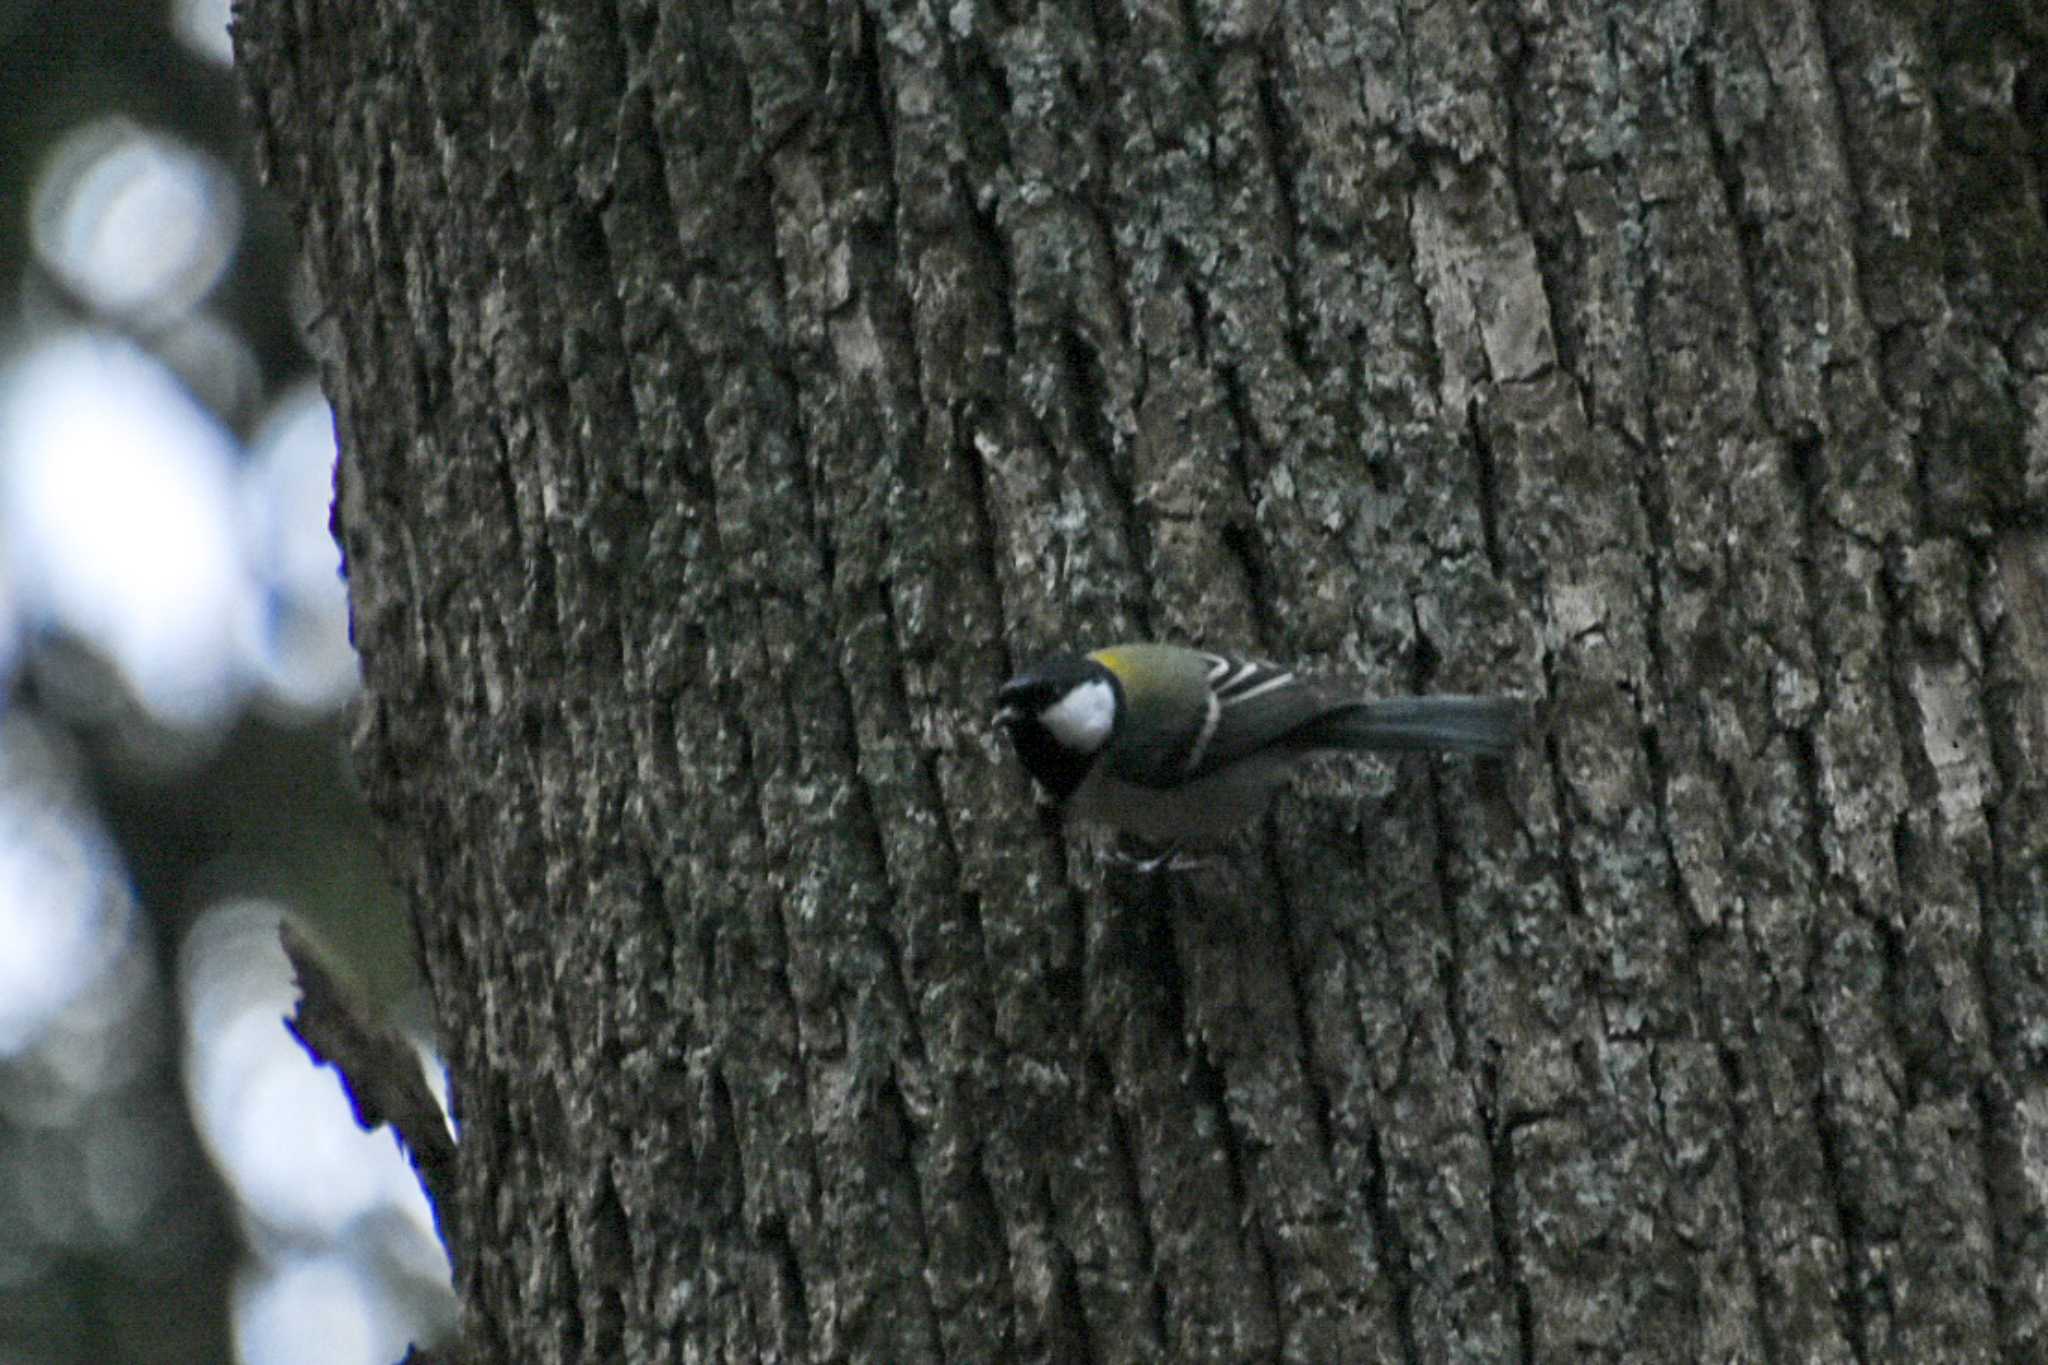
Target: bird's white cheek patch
[{"x": 1083, "y": 718}]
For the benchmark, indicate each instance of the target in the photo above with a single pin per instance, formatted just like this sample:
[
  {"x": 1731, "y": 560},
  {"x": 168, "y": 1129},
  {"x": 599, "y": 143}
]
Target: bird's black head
[{"x": 1059, "y": 717}]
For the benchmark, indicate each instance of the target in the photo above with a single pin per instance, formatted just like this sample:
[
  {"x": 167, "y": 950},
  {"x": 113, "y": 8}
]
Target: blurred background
[{"x": 177, "y": 1181}]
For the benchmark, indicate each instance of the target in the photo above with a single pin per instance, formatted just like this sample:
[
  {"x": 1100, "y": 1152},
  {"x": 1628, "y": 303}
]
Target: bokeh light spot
[
  {"x": 66, "y": 912},
  {"x": 118, "y": 520},
  {"x": 132, "y": 221}
]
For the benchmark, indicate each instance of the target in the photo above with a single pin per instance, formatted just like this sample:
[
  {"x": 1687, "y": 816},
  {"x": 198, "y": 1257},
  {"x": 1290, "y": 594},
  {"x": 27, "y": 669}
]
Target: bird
[{"x": 1180, "y": 748}]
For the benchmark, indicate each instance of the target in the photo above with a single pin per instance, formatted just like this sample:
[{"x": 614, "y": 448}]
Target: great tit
[{"x": 1181, "y": 748}]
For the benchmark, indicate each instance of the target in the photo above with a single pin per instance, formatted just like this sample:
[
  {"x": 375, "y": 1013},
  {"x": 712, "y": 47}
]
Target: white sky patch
[
  {"x": 202, "y": 25},
  {"x": 308, "y": 1310},
  {"x": 336, "y": 1216},
  {"x": 118, "y": 521},
  {"x": 299, "y": 644},
  {"x": 279, "y": 1127}
]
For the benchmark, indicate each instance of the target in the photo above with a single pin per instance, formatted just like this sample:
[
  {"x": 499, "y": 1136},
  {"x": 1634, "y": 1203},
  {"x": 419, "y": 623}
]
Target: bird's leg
[{"x": 1169, "y": 858}]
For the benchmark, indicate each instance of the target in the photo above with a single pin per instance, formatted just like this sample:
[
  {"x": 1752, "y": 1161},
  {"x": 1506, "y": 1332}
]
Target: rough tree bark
[{"x": 729, "y": 395}]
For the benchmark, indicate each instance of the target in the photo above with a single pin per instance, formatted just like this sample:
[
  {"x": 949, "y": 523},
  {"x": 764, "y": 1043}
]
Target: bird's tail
[{"x": 1486, "y": 726}]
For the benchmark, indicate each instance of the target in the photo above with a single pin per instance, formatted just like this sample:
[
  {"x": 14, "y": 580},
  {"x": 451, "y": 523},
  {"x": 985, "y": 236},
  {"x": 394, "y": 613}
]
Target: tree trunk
[{"x": 730, "y": 396}]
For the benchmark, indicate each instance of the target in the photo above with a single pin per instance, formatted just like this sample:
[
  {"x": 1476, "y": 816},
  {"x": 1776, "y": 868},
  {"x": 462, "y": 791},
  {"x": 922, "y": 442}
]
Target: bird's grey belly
[{"x": 1203, "y": 812}]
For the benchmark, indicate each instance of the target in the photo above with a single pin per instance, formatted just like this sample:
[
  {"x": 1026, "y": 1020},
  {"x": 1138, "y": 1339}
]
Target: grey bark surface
[{"x": 730, "y": 396}]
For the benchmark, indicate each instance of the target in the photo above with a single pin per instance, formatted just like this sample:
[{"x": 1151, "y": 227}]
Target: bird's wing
[{"x": 1256, "y": 705}]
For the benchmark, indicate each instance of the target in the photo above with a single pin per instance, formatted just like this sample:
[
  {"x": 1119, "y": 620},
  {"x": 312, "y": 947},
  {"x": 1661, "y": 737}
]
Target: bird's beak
[{"x": 1008, "y": 715}]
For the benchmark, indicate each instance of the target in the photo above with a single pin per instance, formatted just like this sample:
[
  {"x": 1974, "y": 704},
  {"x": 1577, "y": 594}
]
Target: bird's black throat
[{"x": 1059, "y": 770}]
